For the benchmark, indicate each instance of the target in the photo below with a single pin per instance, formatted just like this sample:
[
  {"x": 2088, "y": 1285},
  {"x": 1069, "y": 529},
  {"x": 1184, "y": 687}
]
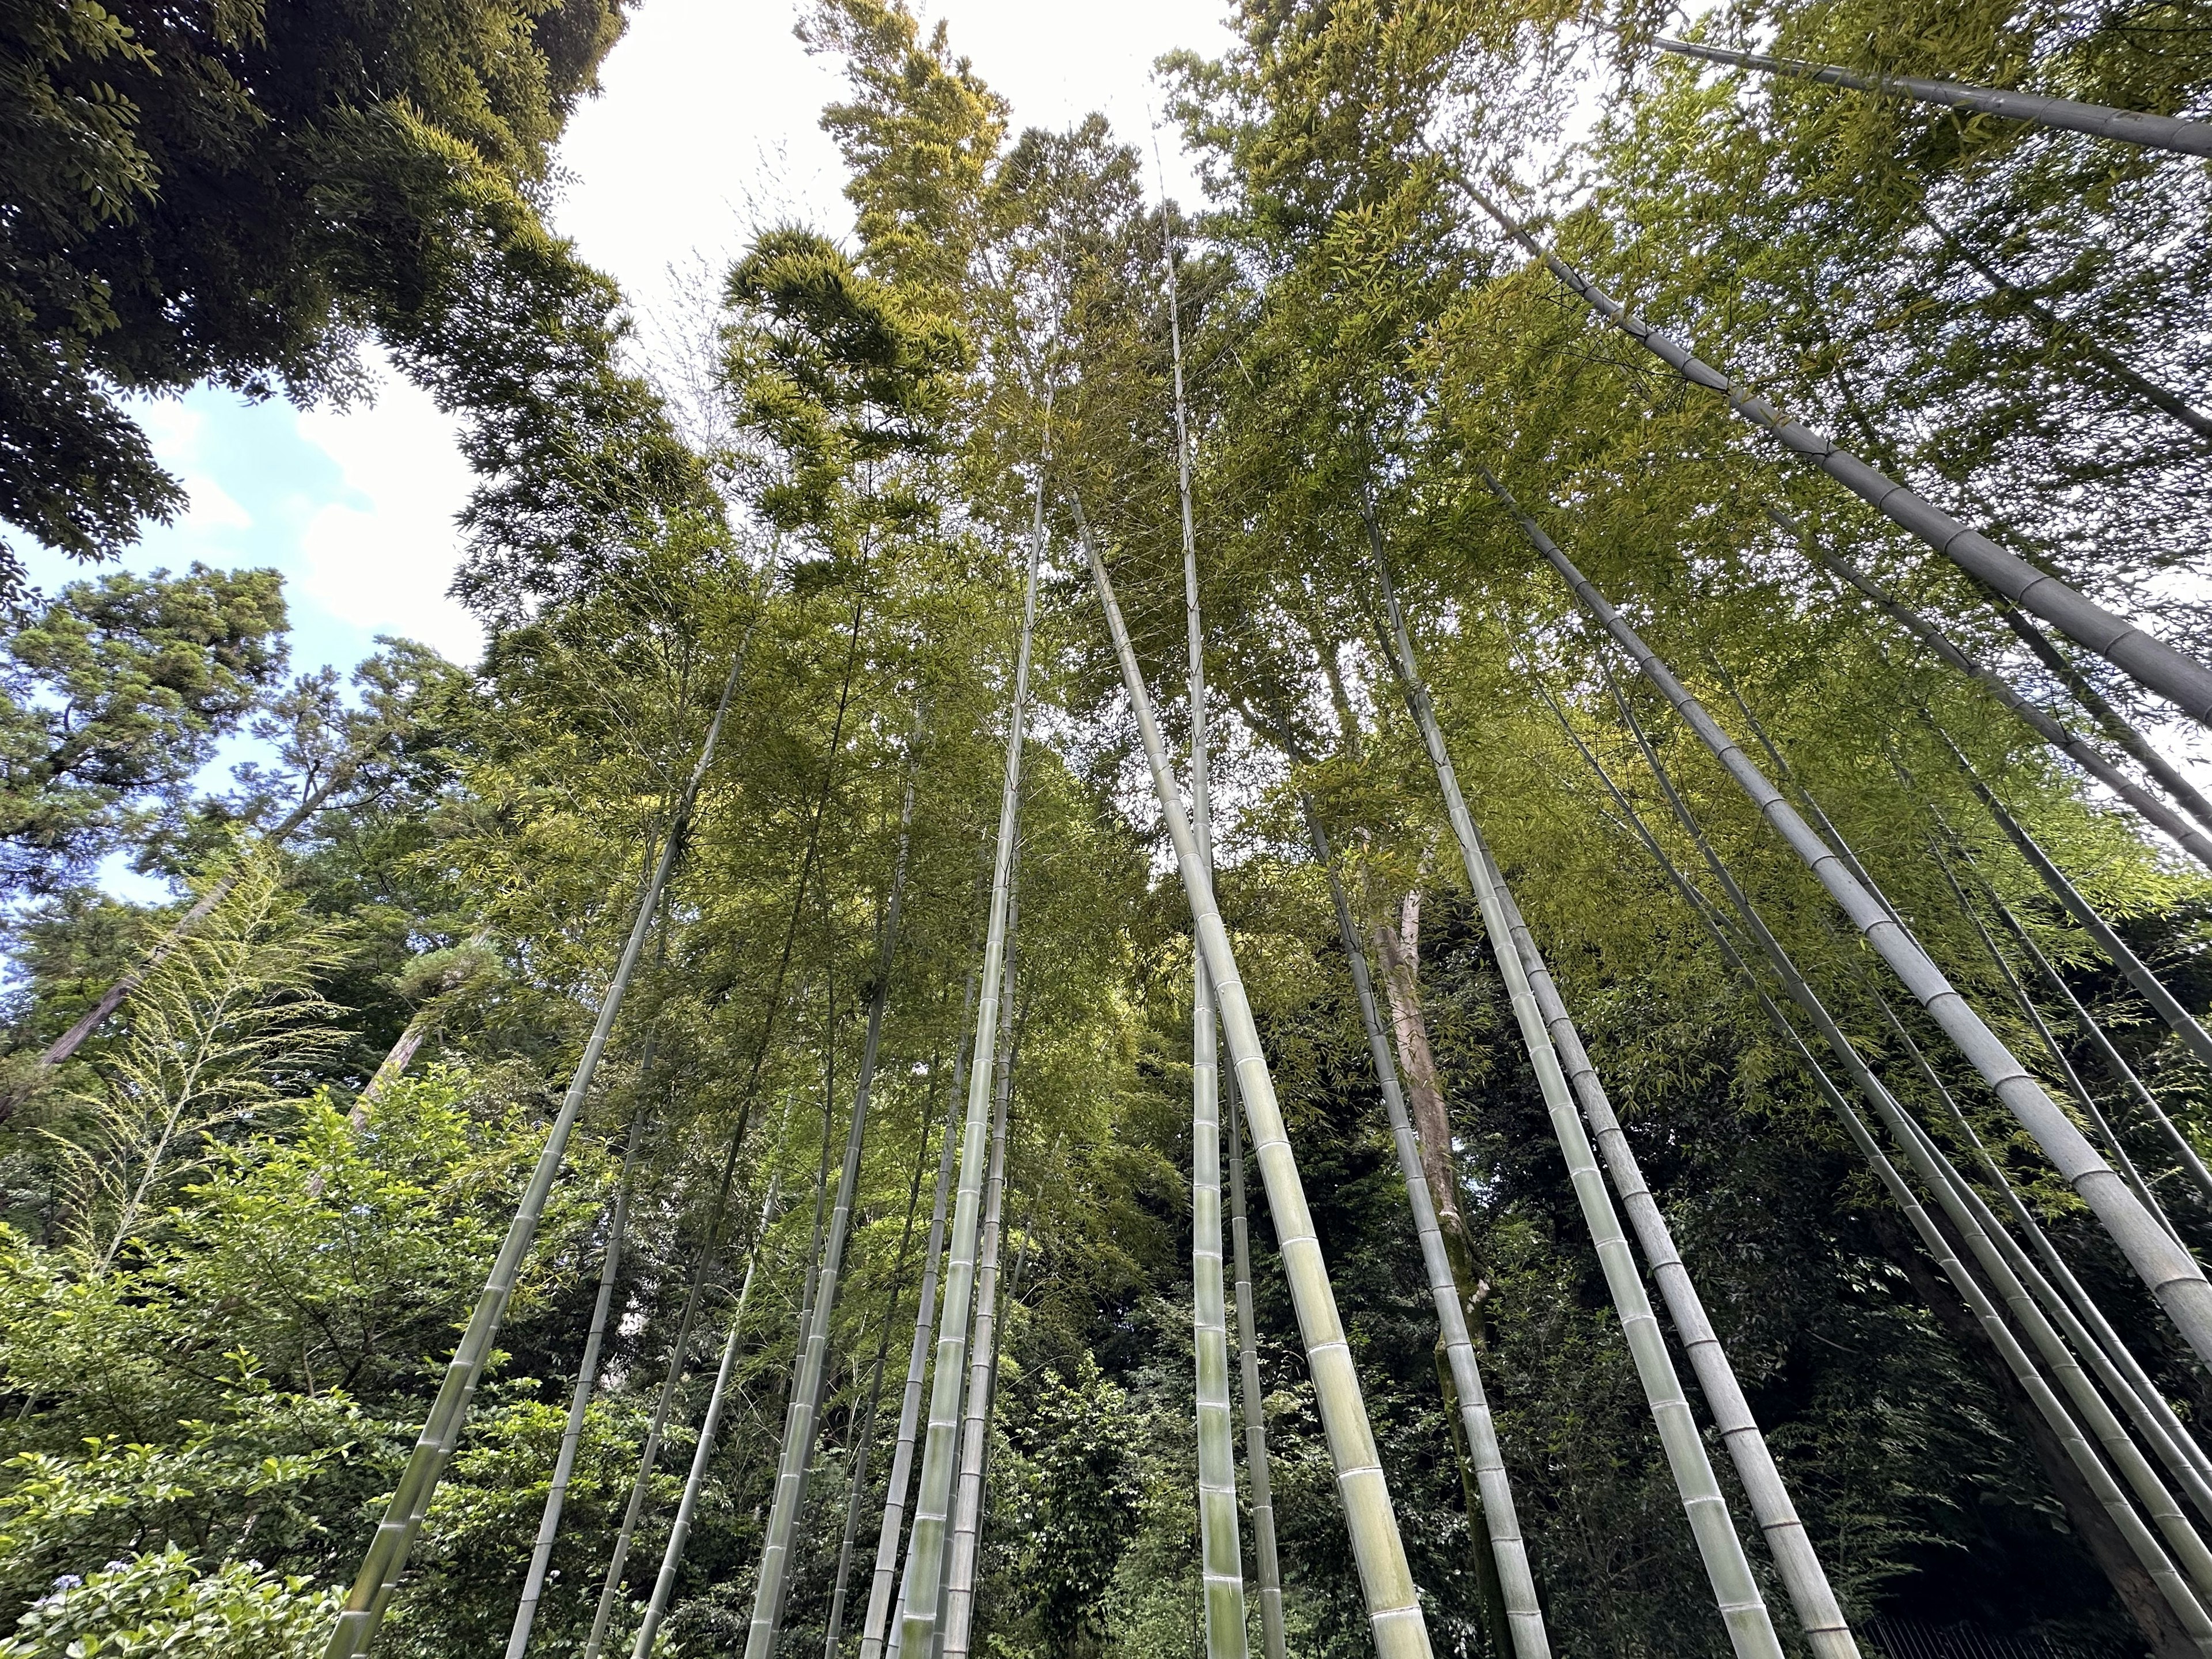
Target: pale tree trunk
[{"x": 1269, "y": 1569}]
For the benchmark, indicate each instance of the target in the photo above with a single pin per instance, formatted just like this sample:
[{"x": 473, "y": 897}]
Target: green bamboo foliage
[
  {"x": 2075, "y": 748},
  {"x": 2173, "y": 1276},
  {"x": 2181, "y": 679},
  {"x": 1501, "y": 1518},
  {"x": 2145, "y": 1548},
  {"x": 587, "y": 1372},
  {"x": 387, "y": 1557},
  {"x": 1795, "y": 1560},
  {"x": 1221, "y": 1554},
  {"x": 2099, "y": 120},
  {"x": 887, "y": 1541},
  {"x": 1999, "y": 1258},
  {"x": 703, "y": 1455},
  {"x": 1735, "y": 1592},
  {"x": 1268, "y": 1569},
  {"x": 932, "y": 1506},
  {"x": 957, "y": 1618},
  {"x": 1394, "y": 1608},
  {"x": 806, "y": 1405}
]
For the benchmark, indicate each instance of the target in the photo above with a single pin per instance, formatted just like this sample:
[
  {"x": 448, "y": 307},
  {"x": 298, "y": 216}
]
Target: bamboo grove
[{"x": 1459, "y": 909}]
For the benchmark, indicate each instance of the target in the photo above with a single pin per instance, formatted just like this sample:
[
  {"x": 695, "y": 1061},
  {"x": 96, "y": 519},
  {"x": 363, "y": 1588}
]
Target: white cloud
[{"x": 382, "y": 560}]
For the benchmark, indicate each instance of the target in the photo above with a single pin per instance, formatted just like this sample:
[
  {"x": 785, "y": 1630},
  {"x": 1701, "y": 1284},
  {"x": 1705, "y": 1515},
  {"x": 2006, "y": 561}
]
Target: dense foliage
[{"x": 232, "y": 1271}]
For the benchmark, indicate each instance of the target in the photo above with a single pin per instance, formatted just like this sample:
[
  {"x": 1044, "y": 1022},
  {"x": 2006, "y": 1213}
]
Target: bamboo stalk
[
  {"x": 887, "y": 1539},
  {"x": 387, "y": 1557},
  {"x": 2180, "y": 679},
  {"x": 1268, "y": 1568},
  {"x": 2099, "y": 120},
  {"x": 703, "y": 1455},
  {"x": 1735, "y": 1592},
  {"x": 956, "y": 1619},
  {"x": 806, "y": 1405},
  {"x": 1394, "y": 1608},
  {"x": 2156, "y": 811},
  {"x": 2104, "y": 1488},
  {"x": 2172, "y": 1274},
  {"x": 918, "y": 1624},
  {"x": 587, "y": 1372},
  {"x": 1221, "y": 1554},
  {"x": 1499, "y": 1516}
]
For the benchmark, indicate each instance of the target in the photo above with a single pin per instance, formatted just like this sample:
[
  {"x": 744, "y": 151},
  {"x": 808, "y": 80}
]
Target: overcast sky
[{"x": 708, "y": 126}]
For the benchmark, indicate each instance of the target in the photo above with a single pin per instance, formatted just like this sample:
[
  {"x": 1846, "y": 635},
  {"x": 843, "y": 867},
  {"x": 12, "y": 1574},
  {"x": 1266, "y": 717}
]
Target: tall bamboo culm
[
  {"x": 2181, "y": 679},
  {"x": 1394, "y": 1608},
  {"x": 933, "y": 1505},
  {"x": 806, "y": 1405},
  {"x": 2185, "y": 137},
  {"x": 956, "y": 1616},
  {"x": 386, "y": 1556},
  {"x": 1501, "y": 1519},
  {"x": 2171, "y": 1275},
  {"x": 885, "y": 1581},
  {"x": 587, "y": 1372},
  {"x": 1268, "y": 1568},
  {"x": 1735, "y": 1592},
  {"x": 1220, "y": 1552}
]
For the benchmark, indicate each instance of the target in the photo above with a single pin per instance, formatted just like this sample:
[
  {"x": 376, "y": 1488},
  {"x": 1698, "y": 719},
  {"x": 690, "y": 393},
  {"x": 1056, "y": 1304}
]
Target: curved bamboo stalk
[
  {"x": 386, "y": 1556},
  {"x": 887, "y": 1539},
  {"x": 1500, "y": 1518},
  {"x": 1735, "y": 1592},
  {"x": 1826, "y": 1629},
  {"x": 1268, "y": 1568},
  {"x": 1394, "y": 1608},
  {"x": 918, "y": 1625},
  {"x": 2078, "y": 749},
  {"x": 1221, "y": 1554},
  {"x": 2172, "y": 1274},
  {"x": 2114, "y": 725},
  {"x": 2148, "y": 985},
  {"x": 957, "y": 1608},
  {"x": 807, "y": 1393},
  {"x": 587, "y": 1372},
  {"x": 1977, "y": 1227},
  {"x": 2185, "y": 137},
  {"x": 2179, "y": 677},
  {"x": 703, "y": 1453},
  {"x": 2106, "y": 1491}
]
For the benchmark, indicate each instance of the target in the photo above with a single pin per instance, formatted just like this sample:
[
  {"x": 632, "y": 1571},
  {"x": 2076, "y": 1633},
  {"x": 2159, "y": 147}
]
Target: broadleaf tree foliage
[{"x": 230, "y": 1273}]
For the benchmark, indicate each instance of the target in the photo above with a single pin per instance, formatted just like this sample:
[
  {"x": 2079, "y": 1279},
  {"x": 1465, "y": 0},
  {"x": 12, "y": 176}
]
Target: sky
[{"x": 707, "y": 127}]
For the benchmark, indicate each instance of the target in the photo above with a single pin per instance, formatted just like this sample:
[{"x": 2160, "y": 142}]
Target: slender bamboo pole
[
  {"x": 703, "y": 1455},
  {"x": 957, "y": 1615},
  {"x": 587, "y": 1372},
  {"x": 2114, "y": 725},
  {"x": 887, "y": 1539},
  {"x": 2172, "y": 1274},
  {"x": 2098, "y": 120},
  {"x": 865, "y": 1433},
  {"x": 2078, "y": 749},
  {"x": 2180, "y": 678},
  {"x": 1735, "y": 1592},
  {"x": 918, "y": 1624},
  {"x": 1394, "y": 1608},
  {"x": 1826, "y": 1631},
  {"x": 386, "y": 1556},
  {"x": 1268, "y": 1568},
  {"x": 2148, "y": 985},
  {"x": 1975, "y": 1225},
  {"x": 1221, "y": 1554},
  {"x": 799, "y": 1427},
  {"x": 2104, "y": 1488},
  {"x": 2114, "y": 1062},
  {"x": 1500, "y": 1517}
]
